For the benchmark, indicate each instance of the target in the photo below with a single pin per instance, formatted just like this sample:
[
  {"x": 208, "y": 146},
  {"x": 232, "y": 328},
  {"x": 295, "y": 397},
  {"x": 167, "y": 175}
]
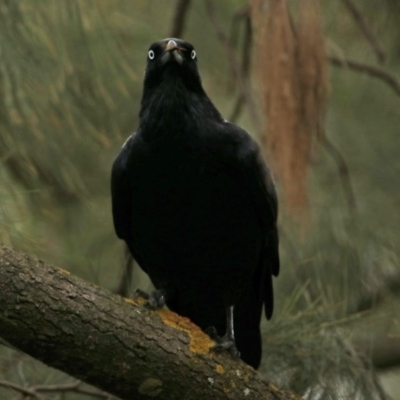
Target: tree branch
[
  {"x": 243, "y": 83},
  {"x": 343, "y": 171},
  {"x": 26, "y": 391},
  {"x": 114, "y": 343},
  {"x": 376, "y": 293},
  {"x": 366, "y": 30},
  {"x": 125, "y": 282},
  {"x": 75, "y": 387},
  {"x": 72, "y": 387},
  {"x": 377, "y": 72},
  {"x": 179, "y": 19},
  {"x": 242, "y": 15}
]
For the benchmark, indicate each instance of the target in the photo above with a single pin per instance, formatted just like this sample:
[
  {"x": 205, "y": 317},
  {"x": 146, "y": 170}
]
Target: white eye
[
  {"x": 193, "y": 55},
  {"x": 151, "y": 54}
]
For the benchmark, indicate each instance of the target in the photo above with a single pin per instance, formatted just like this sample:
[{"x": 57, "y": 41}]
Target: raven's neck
[{"x": 172, "y": 110}]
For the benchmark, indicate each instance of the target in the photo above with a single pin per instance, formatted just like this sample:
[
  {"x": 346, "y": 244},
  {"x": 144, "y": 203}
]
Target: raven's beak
[
  {"x": 171, "y": 45},
  {"x": 172, "y": 53}
]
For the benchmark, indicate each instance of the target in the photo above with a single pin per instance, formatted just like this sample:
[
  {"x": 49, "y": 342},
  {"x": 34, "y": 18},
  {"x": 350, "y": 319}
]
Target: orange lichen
[
  {"x": 200, "y": 343},
  {"x": 220, "y": 369},
  {"x": 137, "y": 301}
]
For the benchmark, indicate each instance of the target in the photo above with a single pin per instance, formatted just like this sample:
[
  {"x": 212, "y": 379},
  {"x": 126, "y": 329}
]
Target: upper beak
[
  {"x": 171, "y": 45},
  {"x": 172, "y": 52}
]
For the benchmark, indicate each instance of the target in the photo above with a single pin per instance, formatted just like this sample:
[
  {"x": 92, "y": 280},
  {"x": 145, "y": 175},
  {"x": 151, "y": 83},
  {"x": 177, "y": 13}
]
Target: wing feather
[
  {"x": 259, "y": 182},
  {"x": 120, "y": 193}
]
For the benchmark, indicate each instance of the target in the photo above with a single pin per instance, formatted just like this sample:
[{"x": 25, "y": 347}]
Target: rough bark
[{"x": 114, "y": 343}]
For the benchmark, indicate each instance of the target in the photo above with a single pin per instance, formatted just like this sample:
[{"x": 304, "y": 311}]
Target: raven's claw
[
  {"x": 155, "y": 299},
  {"x": 224, "y": 343}
]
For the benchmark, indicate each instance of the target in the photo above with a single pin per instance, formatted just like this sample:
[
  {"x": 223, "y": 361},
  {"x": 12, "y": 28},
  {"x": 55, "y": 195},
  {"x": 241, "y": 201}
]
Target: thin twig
[
  {"x": 243, "y": 13},
  {"x": 126, "y": 278},
  {"x": 24, "y": 390},
  {"x": 94, "y": 393},
  {"x": 71, "y": 387},
  {"x": 374, "y": 296},
  {"x": 237, "y": 19},
  {"x": 247, "y": 45},
  {"x": 179, "y": 19},
  {"x": 377, "y": 72},
  {"x": 237, "y": 108},
  {"x": 58, "y": 387},
  {"x": 244, "y": 86},
  {"x": 365, "y": 363},
  {"x": 297, "y": 264},
  {"x": 343, "y": 171},
  {"x": 366, "y": 30}
]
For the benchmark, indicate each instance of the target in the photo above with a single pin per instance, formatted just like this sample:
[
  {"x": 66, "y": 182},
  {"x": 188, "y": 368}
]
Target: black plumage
[{"x": 195, "y": 202}]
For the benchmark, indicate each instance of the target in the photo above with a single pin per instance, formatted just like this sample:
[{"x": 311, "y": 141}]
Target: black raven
[{"x": 195, "y": 202}]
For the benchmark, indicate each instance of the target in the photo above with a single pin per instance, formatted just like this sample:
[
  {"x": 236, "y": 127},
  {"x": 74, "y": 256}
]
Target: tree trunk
[{"x": 114, "y": 343}]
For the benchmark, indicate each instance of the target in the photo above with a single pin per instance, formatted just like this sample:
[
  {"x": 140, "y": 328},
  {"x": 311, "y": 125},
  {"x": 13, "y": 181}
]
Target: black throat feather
[{"x": 173, "y": 105}]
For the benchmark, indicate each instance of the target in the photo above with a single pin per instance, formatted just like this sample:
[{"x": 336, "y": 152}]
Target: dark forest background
[{"x": 317, "y": 83}]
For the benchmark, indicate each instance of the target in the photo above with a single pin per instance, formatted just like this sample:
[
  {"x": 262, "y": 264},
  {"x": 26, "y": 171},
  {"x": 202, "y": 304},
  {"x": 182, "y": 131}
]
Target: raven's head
[{"x": 172, "y": 61}]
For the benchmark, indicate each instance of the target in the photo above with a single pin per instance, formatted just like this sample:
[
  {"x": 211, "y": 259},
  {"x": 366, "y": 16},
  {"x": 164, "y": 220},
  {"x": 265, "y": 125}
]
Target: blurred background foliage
[{"x": 70, "y": 87}]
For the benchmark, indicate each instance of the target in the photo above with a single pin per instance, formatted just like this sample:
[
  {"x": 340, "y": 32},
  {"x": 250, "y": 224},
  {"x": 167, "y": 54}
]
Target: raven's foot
[
  {"x": 155, "y": 299},
  {"x": 224, "y": 343}
]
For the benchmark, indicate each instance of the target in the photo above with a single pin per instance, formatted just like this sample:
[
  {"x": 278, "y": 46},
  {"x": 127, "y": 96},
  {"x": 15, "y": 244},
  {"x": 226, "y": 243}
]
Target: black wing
[
  {"x": 259, "y": 183},
  {"x": 120, "y": 193}
]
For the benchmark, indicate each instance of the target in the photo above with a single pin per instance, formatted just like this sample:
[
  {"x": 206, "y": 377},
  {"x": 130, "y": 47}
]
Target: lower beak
[{"x": 172, "y": 53}]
